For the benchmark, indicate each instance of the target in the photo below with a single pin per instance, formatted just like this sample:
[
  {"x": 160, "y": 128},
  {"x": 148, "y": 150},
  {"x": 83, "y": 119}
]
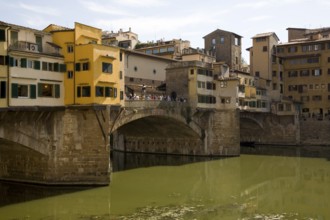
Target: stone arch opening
[
  {"x": 251, "y": 131},
  {"x": 156, "y": 134}
]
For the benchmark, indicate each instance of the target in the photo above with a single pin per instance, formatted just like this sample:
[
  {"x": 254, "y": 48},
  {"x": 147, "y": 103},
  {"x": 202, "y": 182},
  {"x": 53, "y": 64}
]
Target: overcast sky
[{"x": 186, "y": 19}]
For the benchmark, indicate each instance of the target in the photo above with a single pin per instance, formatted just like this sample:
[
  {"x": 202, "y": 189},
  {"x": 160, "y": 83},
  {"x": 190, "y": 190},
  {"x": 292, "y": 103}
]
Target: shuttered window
[
  {"x": 14, "y": 90},
  {"x": 3, "y": 89},
  {"x": 23, "y": 62},
  {"x": 33, "y": 91},
  {"x": 57, "y": 91}
]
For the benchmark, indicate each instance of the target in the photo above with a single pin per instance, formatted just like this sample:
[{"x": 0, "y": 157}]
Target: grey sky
[{"x": 168, "y": 19}]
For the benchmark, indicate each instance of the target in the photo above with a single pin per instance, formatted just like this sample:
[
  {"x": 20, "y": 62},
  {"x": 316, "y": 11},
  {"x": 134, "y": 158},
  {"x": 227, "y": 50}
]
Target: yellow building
[
  {"x": 93, "y": 70},
  {"x": 306, "y": 62},
  {"x": 31, "y": 68}
]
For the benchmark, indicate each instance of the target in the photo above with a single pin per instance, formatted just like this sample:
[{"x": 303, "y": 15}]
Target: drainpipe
[
  {"x": 8, "y": 75},
  {"x": 74, "y": 67}
]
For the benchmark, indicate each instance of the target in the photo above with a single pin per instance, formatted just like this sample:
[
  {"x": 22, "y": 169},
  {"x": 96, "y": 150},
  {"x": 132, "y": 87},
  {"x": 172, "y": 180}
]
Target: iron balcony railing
[{"x": 48, "y": 48}]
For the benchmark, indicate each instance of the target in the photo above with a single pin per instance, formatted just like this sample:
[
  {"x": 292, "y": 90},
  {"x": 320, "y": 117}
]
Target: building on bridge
[
  {"x": 138, "y": 74},
  {"x": 31, "y": 68},
  {"x": 203, "y": 85},
  {"x": 93, "y": 70}
]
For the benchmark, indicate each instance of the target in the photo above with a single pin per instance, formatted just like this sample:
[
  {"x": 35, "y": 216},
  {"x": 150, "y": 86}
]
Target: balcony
[{"x": 49, "y": 48}]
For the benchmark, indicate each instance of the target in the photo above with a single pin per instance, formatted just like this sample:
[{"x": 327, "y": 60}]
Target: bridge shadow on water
[
  {"x": 288, "y": 151},
  {"x": 124, "y": 161}
]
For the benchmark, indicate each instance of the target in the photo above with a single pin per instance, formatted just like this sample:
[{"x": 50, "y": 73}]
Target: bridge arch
[
  {"x": 178, "y": 113},
  {"x": 251, "y": 128}
]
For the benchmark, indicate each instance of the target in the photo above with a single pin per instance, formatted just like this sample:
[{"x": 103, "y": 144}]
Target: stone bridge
[
  {"x": 71, "y": 145},
  {"x": 267, "y": 128}
]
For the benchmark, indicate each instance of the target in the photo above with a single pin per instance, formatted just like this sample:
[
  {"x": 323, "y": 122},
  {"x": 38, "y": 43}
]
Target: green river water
[{"x": 252, "y": 186}]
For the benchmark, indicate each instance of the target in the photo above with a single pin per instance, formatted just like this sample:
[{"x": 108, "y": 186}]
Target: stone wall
[
  {"x": 68, "y": 146},
  {"x": 267, "y": 128},
  {"x": 315, "y": 132}
]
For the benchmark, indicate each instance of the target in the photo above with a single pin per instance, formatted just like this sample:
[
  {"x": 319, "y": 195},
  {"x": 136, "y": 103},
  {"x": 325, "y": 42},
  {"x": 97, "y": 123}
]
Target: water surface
[{"x": 252, "y": 186}]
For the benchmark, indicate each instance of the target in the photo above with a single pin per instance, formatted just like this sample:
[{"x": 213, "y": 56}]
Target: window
[
  {"x": 23, "y": 62},
  {"x": 50, "y": 66},
  {"x": 135, "y": 68},
  {"x": 257, "y": 74},
  {"x": 70, "y": 48},
  {"x": 304, "y": 98},
  {"x": 292, "y": 49},
  {"x": 192, "y": 72},
  {"x": 106, "y": 67},
  {"x": 77, "y": 66},
  {"x": 2, "y": 35},
  {"x": 44, "y": 66},
  {"x": 45, "y": 90},
  {"x": 3, "y": 89},
  {"x": 316, "y": 98},
  {"x": 237, "y": 41},
  {"x": 154, "y": 71},
  {"x": 155, "y": 51},
  {"x": 3, "y": 60},
  {"x": 70, "y": 74},
  {"x": 148, "y": 51},
  {"x": 23, "y": 91},
  {"x": 317, "y": 72},
  {"x": 121, "y": 56},
  {"x": 274, "y": 86},
  {"x": 280, "y": 49},
  {"x": 288, "y": 107},
  {"x": 274, "y": 73},
  {"x": 264, "y": 48},
  {"x": 213, "y": 41},
  {"x": 99, "y": 91},
  {"x": 86, "y": 91},
  {"x": 328, "y": 59},
  {"x": 163, "y": 50},
  {"x": 108, "y": 92},
  {"x": 293, "y": 73},
  {"x": 222, "y": 40},
  {"x": 121, "y": 95},
  {"x": 13, "y": 37},
  {"x": 56, "y": 67},
  {"x": 304, "y": 72},
  {"x": 120, "y": 74},
  {"x": 170, "y": 49},
  {"x": 280, "y": 107},
  {"x": 30, "y": 64},
  {"x": 85, "y": 66},
  {"x": 83, "y": 91},
  {"x": 39, "y": 43},
  {"x": 20, "y": 90}
]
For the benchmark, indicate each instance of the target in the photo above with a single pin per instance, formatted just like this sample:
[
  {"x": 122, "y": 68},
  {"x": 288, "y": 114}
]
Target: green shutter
[
  {"x": 57, "y": 91},
  {"x": 3, "y": 89},
  {"x": 37, "y": 65},
  {"x": 77, "y": 66},
  {"x": 11, "y": 61},
  {"x": 23, "y": 62},
  {"x": 78, "y": 91},
  {"x": 56, "y": 67},
  {"x": 62, "y": 68},
  {"x": 107, "y": 91},
  {"x": 14, "y": 90},
  {"x": 33, "y": 91},
  {"x": 39, "y": 89}
]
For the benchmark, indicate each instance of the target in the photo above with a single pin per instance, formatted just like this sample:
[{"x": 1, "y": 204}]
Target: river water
[{"x": 263, "y": 183}]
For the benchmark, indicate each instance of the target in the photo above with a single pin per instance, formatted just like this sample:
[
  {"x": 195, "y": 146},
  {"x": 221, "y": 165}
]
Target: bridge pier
[{"x": 65, "y": 146}]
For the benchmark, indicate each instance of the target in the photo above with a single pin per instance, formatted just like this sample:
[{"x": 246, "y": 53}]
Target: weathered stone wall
[
  {"x": 267, "y": 128},
  {"x": 314, "y": 132},
  {"x": 221, "y": 132},
  {"x": 68, "y": 146}
]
